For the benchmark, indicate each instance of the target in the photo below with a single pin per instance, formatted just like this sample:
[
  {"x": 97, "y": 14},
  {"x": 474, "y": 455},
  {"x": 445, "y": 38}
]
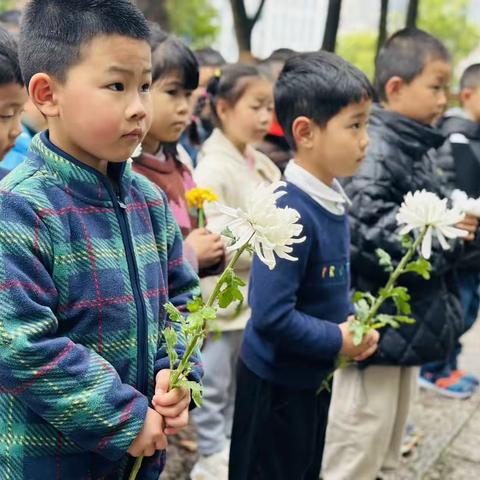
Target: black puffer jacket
[
  {"x": 459, "y": 162},
  {"x": 459, "y": 157},
  {"x": 399, "y": 160}
]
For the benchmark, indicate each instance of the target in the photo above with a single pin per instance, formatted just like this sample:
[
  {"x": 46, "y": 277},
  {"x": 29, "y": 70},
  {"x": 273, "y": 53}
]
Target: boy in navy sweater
[{"x": 300, "y": 311}]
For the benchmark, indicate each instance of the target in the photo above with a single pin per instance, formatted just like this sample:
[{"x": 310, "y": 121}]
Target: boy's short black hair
[
  {"x": 280, "y": 55},
  {"x": 317, "y": 85},
  {"x": 405, "y": 55},
  {"x": 170, "y": 54},
  {"x": 53, "y": 32},
  {"x": 209, "y": 57},
  {"x": 471, "y": 77},
  {"x": 9, "y": 65}
]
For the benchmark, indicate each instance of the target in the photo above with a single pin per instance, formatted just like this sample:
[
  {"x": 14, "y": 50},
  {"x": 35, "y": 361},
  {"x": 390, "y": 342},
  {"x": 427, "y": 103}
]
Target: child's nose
[
  {"x": 138, "y": 107},
  {"x": 443, "y": 100},
  {"x": 364, "y": 141},
  {"x": 183, "y": 106},
  {"x": 16, "y": 129}
]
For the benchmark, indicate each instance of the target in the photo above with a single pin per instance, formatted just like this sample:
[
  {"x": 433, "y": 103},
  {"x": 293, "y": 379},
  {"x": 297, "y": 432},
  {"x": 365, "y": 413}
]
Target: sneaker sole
[{"x": 442, "y": 391}]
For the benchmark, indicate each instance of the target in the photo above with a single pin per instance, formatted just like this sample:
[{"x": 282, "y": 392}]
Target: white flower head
[
  {"x": 468, "y": 205},
  {"x": 270, "y": 230},
  {"x": 425, "y": 209}
]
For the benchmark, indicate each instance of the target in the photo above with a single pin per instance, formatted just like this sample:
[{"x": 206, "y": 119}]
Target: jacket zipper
[{"x": 142, "y": 330}]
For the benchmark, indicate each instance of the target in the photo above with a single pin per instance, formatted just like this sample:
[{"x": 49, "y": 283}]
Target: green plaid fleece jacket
[{"x": 85, "y": 270}]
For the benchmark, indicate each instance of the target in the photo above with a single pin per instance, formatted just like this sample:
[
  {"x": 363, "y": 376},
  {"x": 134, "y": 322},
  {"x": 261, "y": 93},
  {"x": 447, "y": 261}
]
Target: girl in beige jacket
[{"x": 242, "y": 106}]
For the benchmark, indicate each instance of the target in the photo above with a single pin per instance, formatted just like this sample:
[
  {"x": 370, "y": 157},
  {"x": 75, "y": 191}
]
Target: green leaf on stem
[
  {"x": 171, "y": 339},
  {"x": 194, "y": 323},
  {"x": 358, "y": 329},
  {"x": 406, "y": 241},
  {"x": 209, "y": 313},
  {"x": 384, "y": 260},
  {"x": 194, "y": 387},
  {"x": 385, "y": 320},
  {"x": 173, "y": 313},
  {"x": 228, "y": 234},
  {"x": 401, "y": 297},
  {"x": 393, "y": 321},
  {"x": 421, "y": 267},
  {"x": 230, "y": 291},
  {"x": 405, "y": 319},
  {"x": 357, "y": 296},
  {"x": 361, "y": 311},
  {"x": 195, "y": 305}
]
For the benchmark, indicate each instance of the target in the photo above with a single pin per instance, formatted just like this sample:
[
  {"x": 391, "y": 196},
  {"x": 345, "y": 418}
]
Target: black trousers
[{"x": 278, "y": 432}]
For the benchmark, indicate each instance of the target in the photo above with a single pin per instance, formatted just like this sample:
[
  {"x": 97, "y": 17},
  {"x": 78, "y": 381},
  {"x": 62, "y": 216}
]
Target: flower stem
[
  {"x": 344, "y": 362},
  {"x": 185, "y": 359},
  {"x": 190, "y": 348},
  {"x": 136, "y": 468},
  {"x": 210, "y": 302},
  {"x": 201, "y": 218},
  {"x": 216, "y": 291},
  {"x": 395, "y": 275}
]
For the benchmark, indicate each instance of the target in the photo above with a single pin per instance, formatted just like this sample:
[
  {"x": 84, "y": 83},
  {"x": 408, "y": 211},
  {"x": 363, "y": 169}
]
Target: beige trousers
[{"x": 367, "y": 420}]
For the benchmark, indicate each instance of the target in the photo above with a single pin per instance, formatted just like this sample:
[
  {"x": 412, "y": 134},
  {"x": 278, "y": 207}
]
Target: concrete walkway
[{"x": 450, "y": 449}]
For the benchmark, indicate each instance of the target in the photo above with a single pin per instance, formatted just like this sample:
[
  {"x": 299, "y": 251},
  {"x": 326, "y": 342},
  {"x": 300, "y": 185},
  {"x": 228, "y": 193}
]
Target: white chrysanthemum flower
[
  {"x": 270, "y": 230},
  {"x": 468, "y": 205},
  {"x": 425, "y": 209}
]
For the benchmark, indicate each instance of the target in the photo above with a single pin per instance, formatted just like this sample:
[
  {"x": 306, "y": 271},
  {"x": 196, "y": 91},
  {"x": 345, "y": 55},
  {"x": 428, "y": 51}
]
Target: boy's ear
[
  {"x": 302, "y": 131},
  {"x": 42, "y": 89},
  {"x": 465, "y": 95},
  {"x": 393, "y": 88}
]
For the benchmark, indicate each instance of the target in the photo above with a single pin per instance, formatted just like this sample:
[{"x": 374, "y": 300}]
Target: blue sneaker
[
  {"x": 451, "y": 386},
  {"x": 466, "y": 377}
]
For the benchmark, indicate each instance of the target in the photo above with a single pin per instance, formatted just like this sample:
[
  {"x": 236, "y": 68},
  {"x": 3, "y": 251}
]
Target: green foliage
[
  {"x": 421, "y": 267},
  {"x": 196, "y": 21},
  {"x": 195, "y": 388},
  {"x": 384, "y": 260},
  {"x": 359, "y": 48},
  {"x": 393, "y": 321},
  {"x": 230, "y": 291},
  {"x": 449, "y": 21},
  {"x": 171, "y": 340},
  {"x": 6, "y": 5}
]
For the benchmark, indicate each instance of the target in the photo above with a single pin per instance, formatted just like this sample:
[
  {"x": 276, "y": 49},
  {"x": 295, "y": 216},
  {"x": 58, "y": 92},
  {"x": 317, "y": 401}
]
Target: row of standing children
[{"x": 297, "y": 317}]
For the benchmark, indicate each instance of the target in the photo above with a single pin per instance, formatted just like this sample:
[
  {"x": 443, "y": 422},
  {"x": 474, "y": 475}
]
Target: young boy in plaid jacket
[{"x": 89, "y": 255}]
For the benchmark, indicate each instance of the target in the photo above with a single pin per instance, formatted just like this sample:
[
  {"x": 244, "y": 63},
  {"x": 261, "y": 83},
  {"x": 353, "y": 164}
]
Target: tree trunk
[
  {"x": 155, "y": 10},
  {"x": 244, "y": 24},
  {"x": 331, "y": 26},
  {"x": 412, "y": 13},
  {"x": 382, "y": 25}
]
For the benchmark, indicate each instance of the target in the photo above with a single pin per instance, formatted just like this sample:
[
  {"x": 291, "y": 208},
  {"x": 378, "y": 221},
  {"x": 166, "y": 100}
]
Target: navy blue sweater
[{"x": 292, "y": 337}]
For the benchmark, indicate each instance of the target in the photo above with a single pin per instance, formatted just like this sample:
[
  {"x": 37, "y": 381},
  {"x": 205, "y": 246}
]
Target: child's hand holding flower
[{"x": 172, "y": 405}]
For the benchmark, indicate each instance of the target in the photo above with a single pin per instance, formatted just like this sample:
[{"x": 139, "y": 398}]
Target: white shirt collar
[{"x": 331, "y": 198}]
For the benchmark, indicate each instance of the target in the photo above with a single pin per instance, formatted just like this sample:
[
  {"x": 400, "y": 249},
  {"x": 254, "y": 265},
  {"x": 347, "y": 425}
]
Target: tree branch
[{"x": 258, "y": 13}]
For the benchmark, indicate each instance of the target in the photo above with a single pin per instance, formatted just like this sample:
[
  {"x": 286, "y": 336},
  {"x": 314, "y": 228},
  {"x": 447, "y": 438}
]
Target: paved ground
[{"x": 450, "y": 449}]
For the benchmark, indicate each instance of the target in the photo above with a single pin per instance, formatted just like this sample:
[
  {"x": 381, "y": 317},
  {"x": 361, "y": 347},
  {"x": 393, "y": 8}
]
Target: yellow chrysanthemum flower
[{"x": 196, "y": 197}]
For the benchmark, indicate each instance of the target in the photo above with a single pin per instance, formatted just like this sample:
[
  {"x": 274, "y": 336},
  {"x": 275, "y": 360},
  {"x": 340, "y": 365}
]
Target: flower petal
[{"x": 427, "y": 244}]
